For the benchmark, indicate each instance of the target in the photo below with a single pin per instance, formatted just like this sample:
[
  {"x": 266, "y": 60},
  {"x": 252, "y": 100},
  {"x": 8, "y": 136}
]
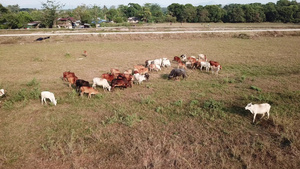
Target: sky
[{"x": 71, "y": 4}]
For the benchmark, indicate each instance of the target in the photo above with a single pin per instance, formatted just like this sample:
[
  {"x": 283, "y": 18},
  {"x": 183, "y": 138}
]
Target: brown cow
[
  {"x": 214, "y": 63},
  {"x": 67, "y": 74},
  {"x": 181, "y": 65},
  {"x": 72, "y": 80},
  {"x": 89, "y": 90},
  {"x": 108, "y": 77},
  {"x": 120, "y": 82},
  {"x": 177, "y": 59}
]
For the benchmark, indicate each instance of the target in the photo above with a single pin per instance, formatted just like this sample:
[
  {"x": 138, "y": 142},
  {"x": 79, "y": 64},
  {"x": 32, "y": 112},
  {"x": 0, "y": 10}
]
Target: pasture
[{"x": 200, "y": 122}]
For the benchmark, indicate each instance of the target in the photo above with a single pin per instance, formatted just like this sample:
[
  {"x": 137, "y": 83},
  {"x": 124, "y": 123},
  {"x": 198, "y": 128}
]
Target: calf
[
  {"x": 206, "y": 65},
  {"x": 183, "y": 57},
  {"x": 258, "y": 109},
  {"x": 48, "y": 95},
  {"x": 101, "y": 82},
  {"x": 215, "y": 69},
  {"x": 89, "y": 90}
]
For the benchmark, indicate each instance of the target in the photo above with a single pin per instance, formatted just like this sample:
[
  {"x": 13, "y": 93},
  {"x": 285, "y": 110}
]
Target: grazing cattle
[
  {"x": 177, "y": 59},
  {"x": 101, "y": 82},
  {"x": 115, "y": 72},
  {"x": 214, "y": 63},
  {"x": 259, "y": 109},
  {"x": 166, "y": 63},
  {"x": 181, "y": 65},
  {"x": 2, "y": 92},
  {"x": 72, "y": 80},
  {"x": 89, "y": 90},
  {"x": 120, "y": 82},
  {"x": 202, "y": 57},
  {"x": 128, "y": 77},
  {"x": 68, "y": 74},
  {"x": 79, "y": 83},
  {"x": 175, "y": 73},
  {"x": 215, "y": 70},
  {"x": 206, "y": 65},
  {"x": 48, "y": 95},
  {"x": 140, "y": 66},
  {"x": 140, "y": 78},
  {"x": 154, "y": 67},
  {"x": 108, "y": 77}
]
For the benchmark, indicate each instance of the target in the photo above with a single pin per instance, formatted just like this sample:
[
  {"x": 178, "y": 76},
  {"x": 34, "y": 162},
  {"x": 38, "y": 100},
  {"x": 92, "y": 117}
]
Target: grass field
[{"x": 199, "y": 122}]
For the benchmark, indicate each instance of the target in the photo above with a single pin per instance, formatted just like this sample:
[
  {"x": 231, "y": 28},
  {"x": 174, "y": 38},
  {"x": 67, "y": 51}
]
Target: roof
[{"x": 66, "y": 19}]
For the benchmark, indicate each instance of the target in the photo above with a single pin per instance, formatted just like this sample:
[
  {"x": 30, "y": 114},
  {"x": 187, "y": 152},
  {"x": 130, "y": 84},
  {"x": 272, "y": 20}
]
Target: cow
[
  {"x": 72, "y": 80},
  {"x": 183, "y": 57},
  {"x": 68, "y": 74},
  {"x": 177, "y": 59},
  {"x": 215, "y": 69},
  {"x": 259, "y": 109},
  {"x": 140, "y": 78},
  {"x": 120, "y": 82},
  {"x": 214, "y": 63},
  {"x": 177, "y": 73},
  {"x": 166, "y": 62},
  {"x": 89, "y": 90},
  {"x": 108, "y": 77},
  {"x": 202, "y": 57},
  {"x": 2, "y": 92},
  {"x": 48, "y": 95},
  {"x": 101, "y": 82},
  {"x": 79, "y": 83}
]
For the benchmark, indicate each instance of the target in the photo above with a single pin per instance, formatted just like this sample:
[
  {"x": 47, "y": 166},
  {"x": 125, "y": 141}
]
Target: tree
[
  {"x": 234, "y": 13},
  {"x": 190, "y": 13},
  {"x": 216, "y": 13},
  {"x": 176, "y": 10},
  {"x": 50, "y": 14},
  {"x": 13, "y": 8},
  {"x": 271, "y": 12}
]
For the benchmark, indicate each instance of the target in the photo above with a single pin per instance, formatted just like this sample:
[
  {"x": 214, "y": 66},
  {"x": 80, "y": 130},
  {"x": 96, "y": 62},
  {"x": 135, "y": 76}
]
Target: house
[
  {"x": 35, "y": 24},
  {"x": 98, "y": 21},
  {"x": 133, "y": 20},
  {"x": 65, "y": 22}
]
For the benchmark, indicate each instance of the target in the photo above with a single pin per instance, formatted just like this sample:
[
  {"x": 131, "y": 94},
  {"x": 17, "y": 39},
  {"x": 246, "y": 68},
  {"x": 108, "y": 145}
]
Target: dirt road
[{"x": 60, "y": 33}]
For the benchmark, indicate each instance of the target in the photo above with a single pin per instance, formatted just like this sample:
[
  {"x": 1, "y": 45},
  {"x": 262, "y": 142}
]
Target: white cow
[
  {"x": 140, "y": 78},
  {"x": 259, "y": 109},
  {"x": 166, "y": 63},
  {"x": 2, "y": 92},
  {"x": 48, "y": 95},
  {"x": 157, "y": 62},
  {"x": 101, "y": 82},
  {"x": 206, "y": 65}
]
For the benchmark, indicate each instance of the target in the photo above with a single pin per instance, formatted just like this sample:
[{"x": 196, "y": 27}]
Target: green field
[{"x": 200, "y": 122}]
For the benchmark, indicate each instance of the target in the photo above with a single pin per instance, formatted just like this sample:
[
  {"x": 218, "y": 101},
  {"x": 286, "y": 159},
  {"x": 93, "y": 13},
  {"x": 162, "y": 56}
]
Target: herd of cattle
[{"x": 139, "y": 74}]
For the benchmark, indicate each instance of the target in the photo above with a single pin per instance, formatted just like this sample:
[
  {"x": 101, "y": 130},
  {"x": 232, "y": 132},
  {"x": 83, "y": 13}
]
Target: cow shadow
[
  {"x": 164, "y": 76},
  {"x": 239, "y": 110}
]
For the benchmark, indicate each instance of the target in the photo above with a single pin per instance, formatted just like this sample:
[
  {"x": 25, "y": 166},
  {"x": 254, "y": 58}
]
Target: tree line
[{"x": 12, "y": 16}]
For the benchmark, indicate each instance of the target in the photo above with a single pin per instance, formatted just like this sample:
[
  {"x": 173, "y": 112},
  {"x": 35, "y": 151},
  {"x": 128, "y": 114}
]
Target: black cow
[
  {"x": 40, "y": 39},
  {"x": 79, "y": 83},
  {"x": 177, "y": 73}
]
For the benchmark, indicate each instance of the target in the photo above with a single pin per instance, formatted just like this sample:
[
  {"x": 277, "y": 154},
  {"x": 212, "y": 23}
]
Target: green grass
[{"x": 199, "y": 122}]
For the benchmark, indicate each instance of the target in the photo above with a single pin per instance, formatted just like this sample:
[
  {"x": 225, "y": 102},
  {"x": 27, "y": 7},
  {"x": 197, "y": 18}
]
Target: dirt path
[{"x": 131, "y": 33}]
